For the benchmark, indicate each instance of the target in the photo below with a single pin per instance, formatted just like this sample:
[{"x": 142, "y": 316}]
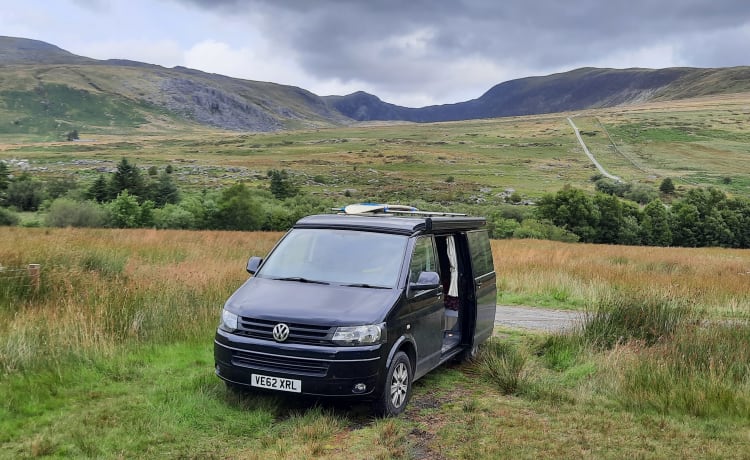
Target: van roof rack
[{"x": 372, "y": 209}]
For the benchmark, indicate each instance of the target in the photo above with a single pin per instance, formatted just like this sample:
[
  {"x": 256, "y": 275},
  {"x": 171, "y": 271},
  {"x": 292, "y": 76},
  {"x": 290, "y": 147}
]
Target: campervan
[{"x": 360, "y": 304}]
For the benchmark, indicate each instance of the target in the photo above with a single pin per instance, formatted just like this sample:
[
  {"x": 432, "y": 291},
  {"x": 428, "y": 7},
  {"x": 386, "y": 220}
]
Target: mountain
[
  {"x": 47, "y": 91},
  {"x": 575, "y": 90},
  {"x": 44, "y": 89}
]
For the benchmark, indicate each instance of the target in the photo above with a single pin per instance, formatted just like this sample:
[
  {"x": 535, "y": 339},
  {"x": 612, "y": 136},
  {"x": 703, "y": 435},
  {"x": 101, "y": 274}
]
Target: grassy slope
[{"x": 47, "y": 101}]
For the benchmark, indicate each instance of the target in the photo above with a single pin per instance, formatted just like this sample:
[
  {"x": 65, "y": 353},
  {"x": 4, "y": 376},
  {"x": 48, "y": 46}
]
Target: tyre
[{"x": 397, "y": 388}]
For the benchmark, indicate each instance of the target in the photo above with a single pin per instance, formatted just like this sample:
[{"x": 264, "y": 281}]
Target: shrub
[
  {"x": 542, "y": 230},
  {"x": 174, "y": 216},
  {"x": 64, "y": 212},
  {"x": 641, "y": 193},
  {"x": 7, "y": 217},
  {"x": 25, "y": 194}
]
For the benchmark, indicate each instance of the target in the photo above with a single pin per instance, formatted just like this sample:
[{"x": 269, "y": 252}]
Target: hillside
[
  {"x": 579, "y": 89},
  {"x": 46, "y": 92}
]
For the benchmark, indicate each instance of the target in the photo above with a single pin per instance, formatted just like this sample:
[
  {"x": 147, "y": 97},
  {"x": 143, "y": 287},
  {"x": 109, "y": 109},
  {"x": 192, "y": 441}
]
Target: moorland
[{"x": 110, "y": 354}]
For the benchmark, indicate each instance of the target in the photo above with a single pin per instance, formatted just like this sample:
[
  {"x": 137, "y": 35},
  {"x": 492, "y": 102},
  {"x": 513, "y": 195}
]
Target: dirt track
[{"x": 536, "y": 318}]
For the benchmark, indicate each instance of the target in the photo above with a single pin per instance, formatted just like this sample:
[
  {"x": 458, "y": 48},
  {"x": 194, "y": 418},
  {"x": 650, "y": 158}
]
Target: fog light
[{"x": 359, "y": 388}]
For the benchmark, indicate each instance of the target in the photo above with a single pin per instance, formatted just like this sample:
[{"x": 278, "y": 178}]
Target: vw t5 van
[{"x": 360, "y": 305}]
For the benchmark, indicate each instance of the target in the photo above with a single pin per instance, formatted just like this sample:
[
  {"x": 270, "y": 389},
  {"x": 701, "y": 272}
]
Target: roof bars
[{"x": 365, "y": 209}]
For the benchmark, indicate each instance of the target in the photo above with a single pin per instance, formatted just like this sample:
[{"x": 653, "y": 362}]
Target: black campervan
[{"x": 360, "y": 305}]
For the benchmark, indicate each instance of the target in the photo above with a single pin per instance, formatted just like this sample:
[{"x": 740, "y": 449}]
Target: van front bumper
[{"x": 322, "y": 370}]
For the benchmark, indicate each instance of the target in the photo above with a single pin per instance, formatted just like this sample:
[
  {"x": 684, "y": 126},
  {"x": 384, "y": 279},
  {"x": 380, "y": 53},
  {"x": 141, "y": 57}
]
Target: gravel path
[
  {"x": 536, "y": 318},
  {"x": 588, "y": 154}
]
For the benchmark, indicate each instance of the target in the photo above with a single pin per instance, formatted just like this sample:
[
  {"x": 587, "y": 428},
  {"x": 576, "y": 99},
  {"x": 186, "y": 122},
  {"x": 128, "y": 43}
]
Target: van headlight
[
  {"x": 228, "y": 321},
  {"x": 359, "y": 335}
]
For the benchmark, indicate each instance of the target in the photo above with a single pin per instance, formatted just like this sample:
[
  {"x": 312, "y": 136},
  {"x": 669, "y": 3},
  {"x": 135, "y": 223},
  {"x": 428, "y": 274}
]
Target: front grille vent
[{"x": 298, "y": 333}]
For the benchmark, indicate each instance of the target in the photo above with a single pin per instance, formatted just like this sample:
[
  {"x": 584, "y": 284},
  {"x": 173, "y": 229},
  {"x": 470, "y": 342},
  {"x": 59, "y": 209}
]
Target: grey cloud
[{"x": 354, "y": 40}]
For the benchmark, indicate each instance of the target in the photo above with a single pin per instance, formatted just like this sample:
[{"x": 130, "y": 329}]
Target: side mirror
[
  {"x": 253, "y": 264},
  {"x": 426, "y": 281}
]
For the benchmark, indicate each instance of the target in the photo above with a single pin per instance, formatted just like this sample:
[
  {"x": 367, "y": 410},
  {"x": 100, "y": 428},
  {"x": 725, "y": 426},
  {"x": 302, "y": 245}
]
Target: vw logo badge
[{"x": 280, "y": 332}]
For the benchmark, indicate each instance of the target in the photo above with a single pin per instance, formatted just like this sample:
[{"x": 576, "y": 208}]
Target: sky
[{"x": 412, "y": 53}]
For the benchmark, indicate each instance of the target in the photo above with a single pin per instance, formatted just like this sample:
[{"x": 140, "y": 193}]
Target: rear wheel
[{"x": 397, "y": 390}]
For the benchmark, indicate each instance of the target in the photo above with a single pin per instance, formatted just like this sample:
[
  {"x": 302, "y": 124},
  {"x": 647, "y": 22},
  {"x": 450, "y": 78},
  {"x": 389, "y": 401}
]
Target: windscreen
[{"x": 337, "y": 257}]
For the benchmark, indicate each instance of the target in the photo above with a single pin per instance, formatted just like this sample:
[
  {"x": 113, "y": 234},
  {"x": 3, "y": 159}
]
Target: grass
[
  {"x": 112, "y": 357},
  {"x": 407, "y": 162}
]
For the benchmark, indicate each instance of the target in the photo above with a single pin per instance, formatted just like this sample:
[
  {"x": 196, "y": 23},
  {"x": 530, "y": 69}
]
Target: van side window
[
  {"x": 481, "y": 252},
  {"x": 423, "y": 259}
]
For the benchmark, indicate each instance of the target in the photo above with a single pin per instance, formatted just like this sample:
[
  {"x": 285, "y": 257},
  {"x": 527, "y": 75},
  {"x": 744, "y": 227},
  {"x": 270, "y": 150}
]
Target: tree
[
  {"x": 610, "y": 218},
  {"x": 25, "y": 194},
  {"x": 125, "y": 212},
  {"x": 655, "y": 225},
  {"x": 164, "y": 191},
  {"x": 4, "y": 173},
  {"x": 238, "y": 210},
  {"x": 99, "y": 190},
  {"x": 128, "y": 177},
  {"x": 667, "y": 186},
  {"x": 572, "y": 210},
  {"x": 282, "y": 185}
]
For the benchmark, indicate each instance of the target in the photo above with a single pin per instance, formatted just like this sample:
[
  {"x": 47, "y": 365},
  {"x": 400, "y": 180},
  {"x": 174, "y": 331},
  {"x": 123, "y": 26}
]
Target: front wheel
[{"x": 397, "y": 390}]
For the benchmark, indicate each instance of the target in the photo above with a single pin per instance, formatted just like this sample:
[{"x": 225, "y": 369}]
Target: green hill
[{"x": 46, "y": 92}]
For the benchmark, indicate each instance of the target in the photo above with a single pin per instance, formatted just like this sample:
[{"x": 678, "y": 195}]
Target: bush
[
  {"x": 532, "y": 228},
  {"x": 174, "y": 216},
  {"x": 64, "y": 212},
  {"x": 7, "y": 217},
  {"x": 25, "y": 195},
  {"x": 641, "y": 194}
]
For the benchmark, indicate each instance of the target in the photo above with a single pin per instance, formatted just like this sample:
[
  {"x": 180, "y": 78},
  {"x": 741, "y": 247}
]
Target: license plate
[{"x": 276, "y": 383}]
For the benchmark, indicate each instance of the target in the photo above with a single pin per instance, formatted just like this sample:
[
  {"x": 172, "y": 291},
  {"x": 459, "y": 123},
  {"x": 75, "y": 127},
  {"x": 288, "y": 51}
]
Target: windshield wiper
[
  {"x": 365, "y": 285},
  {"x": 300, "y": 279}
]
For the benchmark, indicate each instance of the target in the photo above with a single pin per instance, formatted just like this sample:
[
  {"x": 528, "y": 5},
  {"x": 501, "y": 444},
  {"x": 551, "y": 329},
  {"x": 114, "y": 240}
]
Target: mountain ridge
[{"x": 47, "y": 89}]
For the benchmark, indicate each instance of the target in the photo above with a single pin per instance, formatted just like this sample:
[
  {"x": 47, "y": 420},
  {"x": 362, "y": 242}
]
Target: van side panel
[{"x": 484, "y": 282}]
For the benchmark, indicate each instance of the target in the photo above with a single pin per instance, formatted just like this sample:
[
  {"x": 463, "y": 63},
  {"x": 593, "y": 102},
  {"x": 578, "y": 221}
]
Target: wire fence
[{"x": 29, "y": 276}]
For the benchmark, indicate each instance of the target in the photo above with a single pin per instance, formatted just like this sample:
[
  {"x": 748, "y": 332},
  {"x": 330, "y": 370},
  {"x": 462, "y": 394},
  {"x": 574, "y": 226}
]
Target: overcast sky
[{"x": 408, "y": 52}]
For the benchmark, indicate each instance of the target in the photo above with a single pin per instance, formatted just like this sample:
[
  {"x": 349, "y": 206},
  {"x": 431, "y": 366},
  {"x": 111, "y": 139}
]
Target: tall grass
[
  {"x": 663, "y": 355},
  {"x": 703, "y": 371},
  {"x": 636, "y": 315},
  {"x": 575, "y": 275},
  {"x": 102, "y": 289},
  {"x": 504, "y": 365}
]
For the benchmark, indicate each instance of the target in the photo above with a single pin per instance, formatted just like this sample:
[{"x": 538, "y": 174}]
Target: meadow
[
  {"x": 697, "y": 142},
  {"x": 111, "y": 357}
]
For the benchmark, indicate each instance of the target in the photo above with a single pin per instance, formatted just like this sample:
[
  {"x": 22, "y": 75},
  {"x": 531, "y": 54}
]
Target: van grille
[
  {"x": 298, "y": 333},
  {"x": 277, "y": 363}
]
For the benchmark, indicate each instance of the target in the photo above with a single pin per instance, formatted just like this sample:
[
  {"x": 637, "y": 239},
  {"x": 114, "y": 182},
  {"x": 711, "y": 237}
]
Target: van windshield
[{"x": 348, "y": 257}]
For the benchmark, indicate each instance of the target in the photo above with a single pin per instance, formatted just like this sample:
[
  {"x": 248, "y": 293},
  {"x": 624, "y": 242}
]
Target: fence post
[{"x": 34, "y": 273}]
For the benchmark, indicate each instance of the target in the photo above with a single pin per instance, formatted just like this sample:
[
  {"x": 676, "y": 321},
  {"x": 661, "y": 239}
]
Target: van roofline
[{"x": 386, "y": 223}]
